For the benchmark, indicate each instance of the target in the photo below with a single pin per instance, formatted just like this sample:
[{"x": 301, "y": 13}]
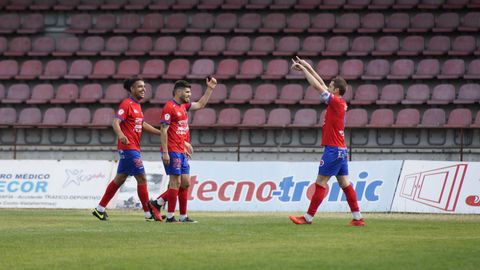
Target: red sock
[
  {"x": 317, "y": 199},
  {"x": 109, "y": 193},
  {"x": 143, "y": 195},
  {"x": 351, "y": 198},
  {"x": 182, "y": 200},
  {"x": 163, "y": 195},
  {"x": 172, "y": 199}
]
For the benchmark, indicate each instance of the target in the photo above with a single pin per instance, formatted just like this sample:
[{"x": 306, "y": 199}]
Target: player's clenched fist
[{"x": 211, "y": 82}]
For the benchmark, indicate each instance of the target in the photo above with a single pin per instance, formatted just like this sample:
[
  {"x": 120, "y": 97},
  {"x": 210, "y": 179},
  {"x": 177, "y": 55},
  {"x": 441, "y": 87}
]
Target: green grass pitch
[{"x": 74, "y": 239}]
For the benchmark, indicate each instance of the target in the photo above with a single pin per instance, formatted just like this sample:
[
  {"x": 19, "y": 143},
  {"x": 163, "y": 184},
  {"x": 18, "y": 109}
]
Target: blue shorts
[
  {"x": 334, "y": 161},
  {"x": 130, "y": 162},
  {"x": 178, "y": 164}
]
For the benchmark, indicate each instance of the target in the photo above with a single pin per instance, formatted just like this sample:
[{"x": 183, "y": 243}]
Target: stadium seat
[
  {"x": 28, "y": 118},
  {"x": 209, "y": 4},
  {"x": 278, "y": 118},
  {"x": 412, "y": 46},
  {"x": 253, "y": 118},
  {"x": 127, "y": 69},
  {"x": 421, "y": 23},
  {"x": 163, "y": 93},
  {"x": 228, "y": 118},
  {"x": 433, "y": 117},
  {"x": 248, "y": 23},
  {"x": 78, "y": 118},
  {"x": 327, "y": 69},
  {"x": 115, "y": 46},
  {"x": 391, "y": 94},
  {"x": 381, "y": 118},
  {"x": 201, "y": 69},
  {"x": 265, "y": 94},
  {"x": 386, "y": 46},
  {"x": 89, "y": 4},
  {"x": 312, "y": 46},
  {"x": 16, "y": 5},
  {"x": 476, "y": 123},
  {"x": 177, "y": 69},
  {"x": 405, "y": 4},
  {"x": 227, "y": 69},
  {"x": 66, "y": 93},
  {"x": 213, "y": 46},
  {"x": 105, "y": 22},
  {"x": 401, "y": 69},
  {"x": 204, "y": 119},
  {"x": 258, "y": 4},
  {"x": 354, "y": 4},
  {"x": 103, "y": 69},
  {"x": 430, "y": 4},
  {"x": 9, "y": 117},
  {"x": 377, "y": 69},
  {"x": 54, "y": 70},
  {"x": 224, "y": 23},
  {"x": 452, "y": 69},
  {"x": 113, "y": 4},
  {"x": 462, "y": 46},
  {"x": 189, "y": 46},
  {"x": 427, "y": 69},
  {"x": 32, "y": 24},
  {"x": 152, "y": 116},
  {"x": 442, "y": 94},
  {"x": 407, "y": 118},
  {"x": 66, "y": 46},
  {"x": 397, "y": 23},
  {"x": 352, "y": 69},
  {"x": 336, "y": 46},
  {"x": 240, "y": 94},
  {"x": 290, "y": 94},
  {"x": 137, "y": 4},
  {"x": 287, "y": 46},
  {"x": 238, "y": 45},
  {"x": 356, "y": 118},
  {"x": 361, "y": 46},
  {"x": 79, "y": 70},
  {"x": 372, "y": 23},
  {"x": 365, "y": 94},
  {"x": 17, "y": 93},
  {"x": 53, "y": 118},
  {"x": 139, "y": 46},
  {"x": 276, "y": 69},
  {"x": 42, "y": 46},
  {"x": 234, "y": 4},
  {"x": 164, "y": 46},
  {"x": 262, "y": 46},
  {"x": 3, "y": 45},
  {"x": 273, "y": 23},
  {"x": 91, "y": 46},
  {"x": 160, "y": 5},
  {"x": 153, "y": 69},
  {"x": 114, "y": 94},
  {"x": 473, "y": 70},
  {"x": 347, "y": 23},
  {"x": 468, "y": 94},
  {"x": 30, "y": 70},
  {"x": 312, "y": 97},
  {"x": 184, "y": 4},
  {"x": 175, "y": 23},
  {"x": 8, "y": 69},
  {"x": 250, "y": 69},
  {"x": 102, "y": 118},
  {"x": 79, "y": 23},
  {"x": 219, "y": 95},
  {"x": 297, "y": 23},
  {"x": 9, "y": 23},
  {"x": 90, "y": 93},
  {"x": 18, "y": 46},
  {"x": 437, "y": 45},
  {"x": 455, "y": 4},
  {"x": 41, "y": 94},
  {"x": 470, "y": 22},
  {"x": 304, "y": 118},
  {"x": 322, "y": 23},
  {"x": 446, "y": 22},
  {"x": 197, "y": 91},
  {"x": 66, "y": 5},
  {"x": 201, "y": 23},
  {"x": 459, "y": 118},
  {"x": 127, "y": 23},
  {"x": 152, "y": 23},
  {"x": 417, "y": 94}
]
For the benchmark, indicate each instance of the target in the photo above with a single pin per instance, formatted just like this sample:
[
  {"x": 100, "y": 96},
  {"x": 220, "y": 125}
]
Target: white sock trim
[
  {"x": 170, "y": 215},
  {"x": 357, "y": 215},
  {"x": 100, "y": 208},
  {"x": 308, "y": 218}
]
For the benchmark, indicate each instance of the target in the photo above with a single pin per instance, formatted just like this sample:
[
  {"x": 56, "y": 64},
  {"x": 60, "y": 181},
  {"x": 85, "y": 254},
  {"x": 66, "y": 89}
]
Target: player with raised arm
[
  {"x": 334, "y": 161},
  {"x": 128, "y": 126},
  {"x": 175, "y": 148}
]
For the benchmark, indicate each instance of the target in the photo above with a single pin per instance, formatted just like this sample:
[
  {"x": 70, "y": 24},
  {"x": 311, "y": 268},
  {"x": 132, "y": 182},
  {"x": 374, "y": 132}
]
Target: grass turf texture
[{"x": 74, "y": 239}]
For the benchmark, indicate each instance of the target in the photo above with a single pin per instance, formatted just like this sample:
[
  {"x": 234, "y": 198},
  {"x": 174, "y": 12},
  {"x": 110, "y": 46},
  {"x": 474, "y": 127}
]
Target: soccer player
[
  {"x": 334, "y": 161},
  {"x": 176, "y": 148},
  {"x": 128, "y": 125}
]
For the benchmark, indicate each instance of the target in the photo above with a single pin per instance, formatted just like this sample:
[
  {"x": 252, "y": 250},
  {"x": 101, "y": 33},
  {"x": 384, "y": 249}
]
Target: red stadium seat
[
  {"x": 240, "y": 94},
  {"x": 470, "y": 22},
  {"x": 442, "y": 94},
  {"x": 140, "y": 45},
  {"x": 209, "y": 4},
  {"x": 361, "y": 46},
  {"x": 238, "y": 45},
  {"x": 53, "y": 117},
  {"x": 213, "y": 46},
  {"x": 228, "y": 118},
  {"x": 265, "y": 94},
  {"x": 8, "y": 69},
  {"x": 427, "y": 69},
  {"x": 347, "y": 23},
  {"x": 66, "y": 93},
  {"x": 17, "y": 4},
  {"x": 90, "y": 93},
  {"x": 152, "y": 23},
  {"x": 417, "y": 94},
  {"x": 41, "y": 94},
  {"x": 421, "y": 23},
  {"x": 115, "y": 46},
  {"x": 153, "y": 116},
  {"x": 401, "y": 69},
  {"x": 189, "y": 46},
  {"x": 452, "y": 69},
  {"x": 250, "y": 69},
  {"x": 459, "y": 118},
  {"x": 66, "y": 4},
  {"x": 430, "y": 4},
  {"x": 91, "y": 46},
  {"x": 66, "y": 46},
  {"x": 89, "y": 4},
  {"x": 165, "y": 45},
  {"x": 42, "y": 4},
  {"x": 79, "y": 23},
  {"x": 248, "y": 23},
  {"x": 327, "y": 68},
  {"x": 278, "y": 118},
  {"x": 322, "y": 23},
  {"x": 42, "y": 46},
  {"x": 201, "y": 23},
  {"x": 433, "y": 117},
  {"x": 224, "y": 23},
  {"x": 219, "y": 95},
  {"x": 79, "y": 70},
  {"x": 473, "y": 70},
  {"x": 113, "y": 4},
  {"x": 336, "y": 46},
  {"x": 412, "y": 46},
  {"x": 287, "y": 46},
  {"x": 391, "y": 94},
  {"x": 185, "y": 4},
  {"x": 304, "y": 118},
  {"x": 201, "y": 69},
  {"x": 258, "y": 4},
  {"x": 163, "y": 93},
  {"x": 204, "y": 118},
  {"x": 372, "y": 23},
  {"x": 353, "y": 4},
  {"x": 377, "y": 69},
  {"x": 405, "y": 4},
  {"x": 9, "y": 117},
  {"x": 407, "y": 118},
  {"x": 365, "y": 94},
  {"x": 30, "y": 70},
  {"x": 160, "y": 5},
  {"x": 137, "y": 4},
  {"x": 17, "y": 93},
  {"x": 227, "y": 69},
  {"x": 381, "y": 118},
  {"x": 102, "y": 118},
  {"x": 127, "y": 23},
  {"x": 78, "y": 117},
  {"x": 253, "y": 118},
  {"x": 114, "y": 94},
  {"x": 312, "y": 97},
  {"x": 177, "y": 69},
  {"x": 29, "y": 117},
  {"x": 312, "y": 46},
  {"x": 455, "y": 4},
  {"x": 18, "y": 46},
  {"x": 153, "y": 69},
  {"x": 103, "y": 69},
  {"x": 290, "y": 94},
  {"x": 297, "y": 23},
  {"x": 307, "y": 4},
  {"x": 127, "y": 69},
  {"x": 437, "y": 45},
  {"x": 276, "y": 69},
  {"x": 386, "y": 46},
  {"x": 54, "y": 70},
  {"x": 262, "y": 46},
  {"x": 462, "y": 46},
  {"x": 468, "y": 94},
  {"x": 32, "y": 23},
  {"x": 352, "y": 69},
  {"x": 397, "y": 23},
  {"x": 9, "y": 23},
  {"x": 273, "y": 23},
  {"x": 476, "y": 124},
  {"x": 446, "y": 22},
  {"x": 175, "y": 23},
  {"x": 356, "y": 118},
  {"x": 105, "y": 23}
]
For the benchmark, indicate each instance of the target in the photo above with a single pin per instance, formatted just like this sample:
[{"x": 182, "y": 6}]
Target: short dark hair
[
  {"x": 341, "y": 84},
  {"x": 127, "y": 84},
  {"x": 180, "y": 84}
]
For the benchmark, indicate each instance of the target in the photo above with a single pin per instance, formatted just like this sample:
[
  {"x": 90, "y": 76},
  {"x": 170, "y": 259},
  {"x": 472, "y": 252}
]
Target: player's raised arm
[
  {"x": 310, "y": 69},
  {"x": 310, "y": 78},
  {"x": 150, "y": 129},
  {"x": 211, "y": 84},
  {"x": 164, "y": 143},
  {"x": 118, "y": 131}
]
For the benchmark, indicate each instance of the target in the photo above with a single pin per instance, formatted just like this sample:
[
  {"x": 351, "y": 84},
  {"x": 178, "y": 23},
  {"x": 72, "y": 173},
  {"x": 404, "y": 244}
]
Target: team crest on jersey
[
  {"x": 167, "y": 116},
  {"x": 120, "y": 112}
]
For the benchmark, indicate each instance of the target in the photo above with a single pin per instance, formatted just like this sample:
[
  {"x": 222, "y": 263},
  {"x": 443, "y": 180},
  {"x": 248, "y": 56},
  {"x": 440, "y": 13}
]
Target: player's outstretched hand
[
  {"x": 303, "y": 62},
  {"x": 166, "y": 159},
  {"x": 296, "y": 66},
  {"x": 211, "y": 82}
]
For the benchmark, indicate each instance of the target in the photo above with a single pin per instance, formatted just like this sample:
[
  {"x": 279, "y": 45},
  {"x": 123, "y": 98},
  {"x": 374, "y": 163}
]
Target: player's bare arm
[
  {"x": 164, "y": 144},
  {"x": 150, "y": 129},
  {"x": 211, "y": 84},
  {"x": 310, "y": 70},
  {"x": 118, "y": 131}
]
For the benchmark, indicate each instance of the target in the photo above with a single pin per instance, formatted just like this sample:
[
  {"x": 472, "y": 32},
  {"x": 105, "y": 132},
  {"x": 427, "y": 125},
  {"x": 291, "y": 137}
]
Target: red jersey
[
  {"x": 332, "y": 130},
  {"x": 176, "y": 116},
  {"x": 130, "y": 112}
]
